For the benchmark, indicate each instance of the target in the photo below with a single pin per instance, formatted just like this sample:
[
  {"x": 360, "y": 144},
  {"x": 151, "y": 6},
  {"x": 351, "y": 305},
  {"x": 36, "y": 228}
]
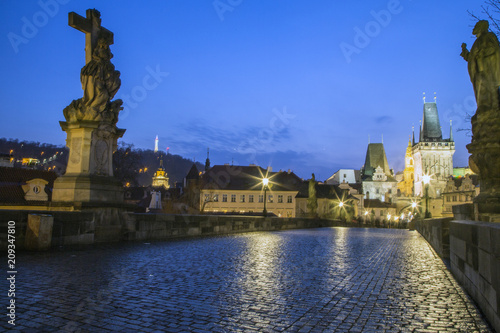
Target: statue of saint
[
  {"x": 484, "y": 66},
  {"x": 100, "y": 80}
]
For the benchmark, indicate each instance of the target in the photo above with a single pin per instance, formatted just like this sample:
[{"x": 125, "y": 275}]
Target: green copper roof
[
  {"x": 431, "y": 129},
  {"x": 375, "y": 156}
]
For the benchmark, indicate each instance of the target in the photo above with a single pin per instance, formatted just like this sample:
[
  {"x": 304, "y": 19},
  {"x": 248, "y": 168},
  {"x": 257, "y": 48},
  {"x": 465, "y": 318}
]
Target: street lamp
[
  {"x": 426, "y": 179},
  {"x": 265, "y": 184},
  {"x": 341, "y": 204}
]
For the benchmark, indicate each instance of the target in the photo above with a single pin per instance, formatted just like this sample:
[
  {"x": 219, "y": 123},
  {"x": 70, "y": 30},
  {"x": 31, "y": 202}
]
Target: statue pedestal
[
  {"x": 485, "y": 159},
  {"x": 89, "y": 174}
]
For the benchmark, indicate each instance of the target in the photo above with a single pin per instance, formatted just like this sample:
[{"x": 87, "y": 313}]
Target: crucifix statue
[
  {"x": 100, "y": 80},
  {"x": 91, "y": 120},
  {"x": 91, "y": 27}
]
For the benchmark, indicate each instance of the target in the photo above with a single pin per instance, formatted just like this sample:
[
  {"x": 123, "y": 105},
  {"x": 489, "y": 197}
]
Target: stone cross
[{"x": 91, "y": 26}]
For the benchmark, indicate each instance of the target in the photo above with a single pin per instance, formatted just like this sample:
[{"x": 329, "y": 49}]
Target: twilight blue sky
[{"x": 293, "y": 84}]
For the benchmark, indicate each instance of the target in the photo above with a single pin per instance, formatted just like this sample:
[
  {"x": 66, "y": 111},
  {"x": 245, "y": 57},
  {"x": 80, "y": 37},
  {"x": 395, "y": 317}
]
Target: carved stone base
[
  {"x": 485, "y": 159},
  {"x": 87, "y": 189}
]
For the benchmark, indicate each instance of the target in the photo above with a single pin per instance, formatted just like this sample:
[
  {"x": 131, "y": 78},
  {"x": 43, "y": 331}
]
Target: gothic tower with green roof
[{"x": 432, "y": 155}]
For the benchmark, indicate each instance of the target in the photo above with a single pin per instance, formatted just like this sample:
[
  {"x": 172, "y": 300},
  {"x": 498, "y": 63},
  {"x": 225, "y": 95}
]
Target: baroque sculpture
[
  {"x": 484, "y": 70},
  {"x": 100, "y": 80},
  {"x": 91, "y": 121}
]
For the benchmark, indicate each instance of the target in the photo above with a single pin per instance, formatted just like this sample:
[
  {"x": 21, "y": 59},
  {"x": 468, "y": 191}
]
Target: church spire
[
  {"x": 207, "y": 162},
  {"x": 413, "y": 135}
]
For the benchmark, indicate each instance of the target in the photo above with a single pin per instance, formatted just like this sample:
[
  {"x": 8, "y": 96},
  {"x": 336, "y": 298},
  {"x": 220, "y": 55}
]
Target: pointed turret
[
  {"x": 207, "y": 162},
  {"x": 451, "y": 131}
]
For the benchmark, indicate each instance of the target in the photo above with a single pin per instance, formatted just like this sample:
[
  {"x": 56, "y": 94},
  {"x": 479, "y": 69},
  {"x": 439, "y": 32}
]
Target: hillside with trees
[{"x": 132, "y": 166}]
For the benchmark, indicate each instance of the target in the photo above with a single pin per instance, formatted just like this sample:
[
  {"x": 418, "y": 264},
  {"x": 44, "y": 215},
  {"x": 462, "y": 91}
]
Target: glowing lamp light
[
  {"x": 366, "y": 213},
  {"x": 426, "y": 179},
  {"x": 413, "y": 205},
  {"x": 388, "y": 216},
  {"x": 341, "y": 204},
  {"x": 265, "y": 181}
]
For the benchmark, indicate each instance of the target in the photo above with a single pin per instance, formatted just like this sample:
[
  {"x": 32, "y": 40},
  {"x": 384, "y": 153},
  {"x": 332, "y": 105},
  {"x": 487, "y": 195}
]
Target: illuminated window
[
  {"x": 242, "y": 198},
  {"x": 280, "y": 198},
  {"x": 289, "y": 199},
  {"x": 207, "y": 197},
  {"x": 261, "y": 198},
  {"x": 250, "y": 198},
  {"x": 270, "y": 198},
  {"x": 233, "y": 197},
  {"x": 224, "y": 198},
  {"x": 216, "y": 198}
]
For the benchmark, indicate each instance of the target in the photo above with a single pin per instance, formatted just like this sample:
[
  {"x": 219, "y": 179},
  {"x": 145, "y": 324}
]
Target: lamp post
[
  {"x": 265, "y": 183},
  {"x": 426, "y": 179}
]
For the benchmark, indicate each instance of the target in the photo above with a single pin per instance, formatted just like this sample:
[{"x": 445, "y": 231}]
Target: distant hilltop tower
[
  {"x": 432, "y": 155},
  {"x": 156, "y": 144}
]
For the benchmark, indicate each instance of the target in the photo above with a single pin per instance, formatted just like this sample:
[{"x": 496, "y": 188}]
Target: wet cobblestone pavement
[{"x": 317, "y": 280}]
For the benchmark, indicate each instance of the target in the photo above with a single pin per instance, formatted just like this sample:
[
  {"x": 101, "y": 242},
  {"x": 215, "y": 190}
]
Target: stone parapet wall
[
  {"x": 100, "y": 225},
  {"x": 475, "y": 263},
  {"x": 436, "y": 232}
]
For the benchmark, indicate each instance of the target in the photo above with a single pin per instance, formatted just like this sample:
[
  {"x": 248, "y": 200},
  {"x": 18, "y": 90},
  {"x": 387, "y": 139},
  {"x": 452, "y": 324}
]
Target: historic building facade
[
  {"x": 378, "y": 180},
  {"x": 239, "y": 189}
]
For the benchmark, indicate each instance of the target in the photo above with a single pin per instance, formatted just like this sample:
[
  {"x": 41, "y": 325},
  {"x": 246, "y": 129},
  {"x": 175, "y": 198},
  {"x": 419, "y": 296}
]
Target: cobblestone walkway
[{"x": 318, "y": 280}]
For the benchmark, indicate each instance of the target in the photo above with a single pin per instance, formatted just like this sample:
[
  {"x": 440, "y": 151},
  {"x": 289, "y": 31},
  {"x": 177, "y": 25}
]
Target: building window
[
  {"x": 270, "y": 198},
  {"x": 377, "y": 191},
  {"x": 216, "y": 198},
  {"x": 261, "y": 198},
  {"x": 233, "y": 197},
  {"x": 389, "y": 191},
  {"x": 207, "y": 197},
  {"x": 224, "y": 198},
  {"x": 250, "y": 198},
  {"x": 242, "y": 198},
  {"x": 280, "y": 198},
  {"x": 447, "y": 199},
  {"x": 289, "y": 199},
  {"x": 454, "y": 198}
]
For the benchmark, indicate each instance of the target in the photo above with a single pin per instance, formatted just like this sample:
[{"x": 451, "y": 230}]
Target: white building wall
[{"x": 342, "y": 175}]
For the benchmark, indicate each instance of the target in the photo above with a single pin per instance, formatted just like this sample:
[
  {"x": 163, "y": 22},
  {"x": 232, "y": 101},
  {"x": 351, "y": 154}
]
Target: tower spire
[
  {"x": 424, "y": 96},
  {"x": 420, "y": 136},
  {"x": 435, "y": 97},
  {"x": 451, "y": 131},
  {"x": 207, "y": 162},
  {"x": 413, "y": 134},
  {"x": 382, "y": 138},
  {"x": 156, "y": 144}
]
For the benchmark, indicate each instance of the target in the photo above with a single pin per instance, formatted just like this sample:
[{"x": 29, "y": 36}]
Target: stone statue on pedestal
[
  {"x": 484, "y": 70},
  {"x": 91, "y": 121}
]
